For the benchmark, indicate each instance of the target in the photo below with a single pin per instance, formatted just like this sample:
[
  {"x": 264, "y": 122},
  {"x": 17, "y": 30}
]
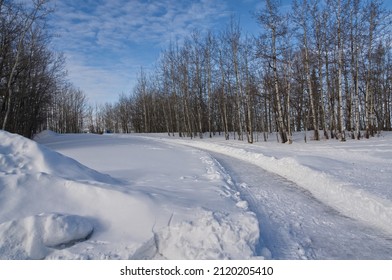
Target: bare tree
[
  {"x": 38, "y": 11},
  {"x": 275, "y": 25},
  {"x": 301, "y": 17}
]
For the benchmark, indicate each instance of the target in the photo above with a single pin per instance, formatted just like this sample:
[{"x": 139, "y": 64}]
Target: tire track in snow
[
  {"x": 342, "y": 196},
  {"x": 276, "y": 241},
  {"x": 295, "y": 225}
]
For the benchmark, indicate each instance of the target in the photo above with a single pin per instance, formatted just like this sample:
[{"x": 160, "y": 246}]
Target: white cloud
[
  {"x": 107, "y": 41},
  {"x": 134, "y": 21},
  {"x": 102, "y": 84}
]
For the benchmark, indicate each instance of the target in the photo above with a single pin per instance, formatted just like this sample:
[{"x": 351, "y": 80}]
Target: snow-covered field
[{"x": 85, "y": 196}]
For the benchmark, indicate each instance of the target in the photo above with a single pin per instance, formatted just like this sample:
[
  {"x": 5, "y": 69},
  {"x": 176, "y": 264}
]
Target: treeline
[
  {"x": 324, "y": 66},
  {"x": 34, "y": 92}
]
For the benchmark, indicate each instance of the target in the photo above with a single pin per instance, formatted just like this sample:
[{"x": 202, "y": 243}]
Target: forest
[
  {"x": 324, "y": 66},
  {"x": 34, "y": 91}
]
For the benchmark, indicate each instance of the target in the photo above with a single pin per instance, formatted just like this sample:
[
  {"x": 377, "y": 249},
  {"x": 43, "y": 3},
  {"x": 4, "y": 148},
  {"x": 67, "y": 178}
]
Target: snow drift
[
  {"x": 22, "y": 156},
  {"x": 33, "y": 237},
  {"x": 54, "y": 207}
]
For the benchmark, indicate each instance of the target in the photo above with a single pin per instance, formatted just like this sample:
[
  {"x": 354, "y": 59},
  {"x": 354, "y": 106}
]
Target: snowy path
[
  {"x": 327, "y": 172},
  {"x": 156, "y": 197},
  {"x": 295, "y": 225}
]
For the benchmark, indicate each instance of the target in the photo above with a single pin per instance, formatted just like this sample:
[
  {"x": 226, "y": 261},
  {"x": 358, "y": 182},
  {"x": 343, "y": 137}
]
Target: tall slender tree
[{"x": 275, "y": 26}]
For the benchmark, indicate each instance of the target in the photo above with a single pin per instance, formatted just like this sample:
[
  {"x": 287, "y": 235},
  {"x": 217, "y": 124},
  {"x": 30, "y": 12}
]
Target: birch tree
[
  {"x": 301, "y": 16},
  {"x": 275, "y": 27}
]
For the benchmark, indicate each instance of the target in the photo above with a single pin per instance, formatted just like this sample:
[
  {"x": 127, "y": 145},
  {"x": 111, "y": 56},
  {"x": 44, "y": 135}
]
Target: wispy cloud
[
  {"x": 100, "y": 83},
  {"x": 111, "y": 39}
]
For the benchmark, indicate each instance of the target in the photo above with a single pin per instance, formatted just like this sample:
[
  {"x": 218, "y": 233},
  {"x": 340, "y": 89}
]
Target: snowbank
[
  {"x": 54, "y": 207},
  {"x": 19, "y": 155},
  {"x": 33, "y": 237}
]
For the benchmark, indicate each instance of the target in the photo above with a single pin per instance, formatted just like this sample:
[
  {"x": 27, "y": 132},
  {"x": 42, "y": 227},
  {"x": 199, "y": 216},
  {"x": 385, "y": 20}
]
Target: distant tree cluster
[
  {"x": 324, "y": 66},
  {"x": 34, "y": 94}
]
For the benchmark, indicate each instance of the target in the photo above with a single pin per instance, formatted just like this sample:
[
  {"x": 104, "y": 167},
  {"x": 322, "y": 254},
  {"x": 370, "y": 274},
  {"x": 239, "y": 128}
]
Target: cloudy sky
[{"x": 106, "y": 42}]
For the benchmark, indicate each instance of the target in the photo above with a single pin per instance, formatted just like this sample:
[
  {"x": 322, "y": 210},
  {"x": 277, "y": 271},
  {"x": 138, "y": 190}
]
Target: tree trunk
[
  {"x": 281, "y": 125},
  {"x": 342, "y": 127}
]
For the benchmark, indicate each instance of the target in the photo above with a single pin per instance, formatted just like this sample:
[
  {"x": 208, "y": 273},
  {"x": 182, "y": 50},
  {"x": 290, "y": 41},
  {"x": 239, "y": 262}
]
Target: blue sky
[{"x": 105, "y": 42}]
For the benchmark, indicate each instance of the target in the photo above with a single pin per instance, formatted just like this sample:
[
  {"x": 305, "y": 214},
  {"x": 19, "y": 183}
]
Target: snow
[
  {"x": 86, "y": 196},
  {"x": 146, "y": 201},
  {"x": 31, "y": 237},
  {"x": 351, "y": 181}
]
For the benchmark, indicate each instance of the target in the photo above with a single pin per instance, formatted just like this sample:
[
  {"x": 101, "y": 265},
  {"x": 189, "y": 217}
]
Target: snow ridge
[{"x": 343, "y": 196}]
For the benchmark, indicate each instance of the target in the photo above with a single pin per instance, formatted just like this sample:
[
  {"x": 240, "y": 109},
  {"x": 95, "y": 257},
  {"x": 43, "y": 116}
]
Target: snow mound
[
  {"x": 181, "y": 208},
  {"x": 19, "y": 155},
  {"x": 210, "y": 235},
  {"x": 214, "y": 235},
  {"x": 35, "y": 236},
  {"x": 35, "y": 179}
]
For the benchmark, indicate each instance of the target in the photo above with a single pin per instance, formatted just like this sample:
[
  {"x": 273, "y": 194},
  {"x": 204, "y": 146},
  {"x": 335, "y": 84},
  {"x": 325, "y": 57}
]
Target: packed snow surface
[{"x": 85, "y": 196}]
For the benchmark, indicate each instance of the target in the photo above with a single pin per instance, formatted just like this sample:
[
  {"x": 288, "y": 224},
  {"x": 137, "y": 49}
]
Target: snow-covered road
[
  {"x": 295, "y": 225},
  {"x": 354, "y": 180}
]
